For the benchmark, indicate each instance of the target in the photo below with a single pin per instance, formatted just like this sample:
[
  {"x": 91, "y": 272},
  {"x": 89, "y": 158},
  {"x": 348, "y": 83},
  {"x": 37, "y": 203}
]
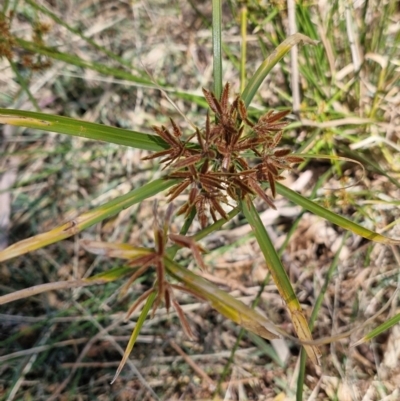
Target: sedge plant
[{"x": 220, "y": 168}]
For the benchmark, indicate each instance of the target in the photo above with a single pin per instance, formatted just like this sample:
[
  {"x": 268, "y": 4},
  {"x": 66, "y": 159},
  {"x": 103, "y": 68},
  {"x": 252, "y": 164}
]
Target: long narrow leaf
[
  {"x": 114, "y": 250},
  {"x": 135, "y": 333},
  {"x": 86, "y": 220},
  {"x": 333, "y": 217},
  {"x": 103, "y": 69},
  {"x": 379, "y": 330},
  {"x": 280, "y": 277},
  {"x": 84, "y": 129},
  {"x": 267, "y": 65},
  {"x": 223, "y": 302},
  {"x": 79, "y": 62},
  {"x": 112, "y": 274}
]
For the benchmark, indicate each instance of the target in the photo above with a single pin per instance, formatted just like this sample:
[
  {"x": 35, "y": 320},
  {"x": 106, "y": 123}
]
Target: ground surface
[{"x": 68, "y": 344}]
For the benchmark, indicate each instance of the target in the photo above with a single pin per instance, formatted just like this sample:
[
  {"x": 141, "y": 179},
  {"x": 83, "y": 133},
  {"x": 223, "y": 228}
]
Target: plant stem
[{"x": 217, "y": 52}]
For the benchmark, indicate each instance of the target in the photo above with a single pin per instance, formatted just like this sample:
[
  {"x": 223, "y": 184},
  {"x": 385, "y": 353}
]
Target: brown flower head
[{"x": 221, "y": 163}]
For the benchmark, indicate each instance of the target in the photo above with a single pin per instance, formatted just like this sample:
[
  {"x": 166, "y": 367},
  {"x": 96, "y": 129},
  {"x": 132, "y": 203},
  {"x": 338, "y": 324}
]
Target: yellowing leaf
[
  {"x": 224, "y": 303},
  {"x": 112, "y": 250},
  {"x": 304, "y": 334}
]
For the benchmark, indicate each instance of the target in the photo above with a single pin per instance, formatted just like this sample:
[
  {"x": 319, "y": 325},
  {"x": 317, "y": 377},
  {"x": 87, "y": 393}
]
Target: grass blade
[
  {"x": 379, "y": 330},
  {"x": 114, "y": 250},
  {"x": 333, "y": 217},
  {"x": 79, "y": 62},
  {"x": 267, "y": 65},
  {"x": 280, "y": 278},
  {"x": 135, "y": 333},
  {"x": 112, "y": 274},
  {"x": 224, "y": 303},
  {"x": 84, "y": 129},
  {"x": 86, "y": 220}
]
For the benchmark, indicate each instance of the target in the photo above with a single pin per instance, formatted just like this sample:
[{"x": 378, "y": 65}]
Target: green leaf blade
[
  {"x": 280, "y": 277},
  {"x": 267, "y": 65},
  {"x": 333, "y": 217},
  {"x": 379, "y": 330},
  {"x": 83, "y": 129},
  {"x": 135, "y": 333},
  {"x": 86, "y": 220}
]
